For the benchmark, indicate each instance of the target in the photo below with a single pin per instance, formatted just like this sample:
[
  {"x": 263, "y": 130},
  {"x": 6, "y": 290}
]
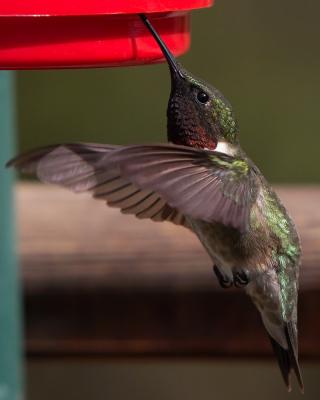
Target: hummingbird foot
[
  {"x": 240, "y": 278},
  {"x": 224, "y": 281}
]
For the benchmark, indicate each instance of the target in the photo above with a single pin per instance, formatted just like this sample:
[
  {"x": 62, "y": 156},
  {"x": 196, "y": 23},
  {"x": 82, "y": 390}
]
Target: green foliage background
[{"x": 263, "y": 55}]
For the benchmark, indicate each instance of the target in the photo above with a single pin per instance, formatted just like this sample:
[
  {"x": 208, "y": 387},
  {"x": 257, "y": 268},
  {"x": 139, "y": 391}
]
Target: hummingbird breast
[
  {"x": 230, "y": 249},
  {"x": 271, "y": 240},
  {"x": 269, "y": 253}
]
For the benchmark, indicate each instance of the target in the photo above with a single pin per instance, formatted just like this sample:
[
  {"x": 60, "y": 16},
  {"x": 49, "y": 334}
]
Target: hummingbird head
[{"x": 198, "y": 114}]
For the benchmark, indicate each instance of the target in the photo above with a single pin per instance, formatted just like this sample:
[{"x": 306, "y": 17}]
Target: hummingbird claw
[
  {"x": 224, "y": 281},
  {"x": 240, "y": 279}
]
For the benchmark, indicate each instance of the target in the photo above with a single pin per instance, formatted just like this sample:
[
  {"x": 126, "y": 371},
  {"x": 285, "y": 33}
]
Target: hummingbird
[{"x": 204, "y": 181}]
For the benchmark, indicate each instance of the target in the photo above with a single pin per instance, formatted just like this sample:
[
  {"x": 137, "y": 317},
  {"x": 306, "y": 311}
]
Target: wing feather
[
  {"x": 160, "y": 182},
  {"x": 202, "y": 184},
  {"x": 75, "y": 166}
]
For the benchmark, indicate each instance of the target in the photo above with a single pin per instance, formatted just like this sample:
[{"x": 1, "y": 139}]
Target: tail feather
[
  {"x": 288, "y": 358},
  {"x": 291, "y": 336},
  {"x": 283, "y": 361}
]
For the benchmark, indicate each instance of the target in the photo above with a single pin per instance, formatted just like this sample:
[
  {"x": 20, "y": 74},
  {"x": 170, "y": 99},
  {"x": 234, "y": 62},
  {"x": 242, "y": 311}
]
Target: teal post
[{"x": 10, "y": 323}]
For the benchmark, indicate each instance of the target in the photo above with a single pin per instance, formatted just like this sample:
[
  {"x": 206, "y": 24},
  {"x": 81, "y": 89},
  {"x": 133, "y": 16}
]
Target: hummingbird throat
[{"x": 197, "y": 138}]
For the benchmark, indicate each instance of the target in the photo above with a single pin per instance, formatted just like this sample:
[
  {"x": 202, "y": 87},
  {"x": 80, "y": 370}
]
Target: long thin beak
[{"x": 174, "y": 67}]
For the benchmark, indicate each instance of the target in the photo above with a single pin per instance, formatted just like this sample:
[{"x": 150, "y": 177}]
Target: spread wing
[
  {"x": 161, "y": 182},
  {"x": 74, "y": 166}
]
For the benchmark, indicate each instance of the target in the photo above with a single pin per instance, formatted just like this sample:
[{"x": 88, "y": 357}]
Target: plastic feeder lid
[{"x": 96, "y": 33}]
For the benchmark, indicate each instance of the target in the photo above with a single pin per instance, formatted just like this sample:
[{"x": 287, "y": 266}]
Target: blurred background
[{"x": 264, "y": 56}]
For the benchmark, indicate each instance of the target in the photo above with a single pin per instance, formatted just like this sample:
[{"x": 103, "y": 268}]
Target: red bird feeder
[{"x": 95, "y": 33}]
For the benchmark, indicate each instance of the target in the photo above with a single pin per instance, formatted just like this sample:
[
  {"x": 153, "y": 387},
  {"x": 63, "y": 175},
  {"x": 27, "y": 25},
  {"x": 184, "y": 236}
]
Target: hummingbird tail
[{"x": 288, "y": 358}]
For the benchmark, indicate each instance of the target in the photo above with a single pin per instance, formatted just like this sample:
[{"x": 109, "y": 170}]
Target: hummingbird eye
[{"x": 202, "y": 97}]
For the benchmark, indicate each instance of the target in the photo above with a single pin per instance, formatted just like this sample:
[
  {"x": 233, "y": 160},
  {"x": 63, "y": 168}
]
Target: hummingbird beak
[{"x": 175, "y": 69}]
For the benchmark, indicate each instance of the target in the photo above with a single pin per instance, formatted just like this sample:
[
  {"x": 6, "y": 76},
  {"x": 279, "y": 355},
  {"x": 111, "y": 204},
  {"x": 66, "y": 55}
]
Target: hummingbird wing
[
  {"x": 161, "y": 182},
  {"x": 74, "y": 166},
  {"x": 202, "y": 184}
]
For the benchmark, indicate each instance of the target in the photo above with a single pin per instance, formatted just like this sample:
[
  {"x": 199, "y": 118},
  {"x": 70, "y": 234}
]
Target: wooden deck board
[{"x": 98, "y": 283}]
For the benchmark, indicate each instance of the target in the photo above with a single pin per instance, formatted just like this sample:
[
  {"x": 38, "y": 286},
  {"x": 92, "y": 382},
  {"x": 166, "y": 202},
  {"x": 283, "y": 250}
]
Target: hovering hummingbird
[{"x": 204, "y": 181}]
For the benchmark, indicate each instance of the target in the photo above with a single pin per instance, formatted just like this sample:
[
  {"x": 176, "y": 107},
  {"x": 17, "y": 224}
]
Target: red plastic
[
  {"x": 96, "y": 33},
  {"x": 95, "y": 7}
]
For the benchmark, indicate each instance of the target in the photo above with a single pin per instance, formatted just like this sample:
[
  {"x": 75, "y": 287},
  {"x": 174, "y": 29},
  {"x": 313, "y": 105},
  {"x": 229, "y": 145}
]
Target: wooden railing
[{"x": 98, "y": 283}]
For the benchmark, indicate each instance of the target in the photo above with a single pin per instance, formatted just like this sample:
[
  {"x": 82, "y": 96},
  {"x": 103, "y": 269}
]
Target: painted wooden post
[{"x": 10, "y": 312}]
